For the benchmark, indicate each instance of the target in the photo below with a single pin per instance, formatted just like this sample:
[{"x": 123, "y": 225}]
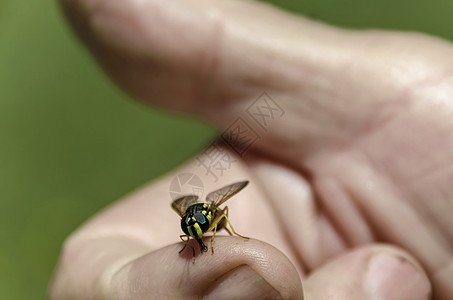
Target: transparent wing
[
  {"x": 218, "y": 197},
  {"x": 181, "y": 204}
]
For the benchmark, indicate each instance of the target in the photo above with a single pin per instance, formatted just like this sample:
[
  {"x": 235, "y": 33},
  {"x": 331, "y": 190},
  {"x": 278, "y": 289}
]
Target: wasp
[{"x": 199, "y": 217}]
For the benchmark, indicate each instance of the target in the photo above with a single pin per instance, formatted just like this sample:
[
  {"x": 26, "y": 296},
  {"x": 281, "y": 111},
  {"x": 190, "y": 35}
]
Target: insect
[{"x": 199, "y": 217}]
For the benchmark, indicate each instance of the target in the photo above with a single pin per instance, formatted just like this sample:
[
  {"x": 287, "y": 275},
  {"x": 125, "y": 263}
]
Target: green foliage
[{"x": 70, "y": 143}]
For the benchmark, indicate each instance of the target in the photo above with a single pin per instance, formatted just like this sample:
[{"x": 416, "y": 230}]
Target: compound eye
[
  {"x": 200, "y": 218},
  {"x": 185, "y": 222},
  {"x": 191, "y": 219},
  {"x": 202, "y": 221}
]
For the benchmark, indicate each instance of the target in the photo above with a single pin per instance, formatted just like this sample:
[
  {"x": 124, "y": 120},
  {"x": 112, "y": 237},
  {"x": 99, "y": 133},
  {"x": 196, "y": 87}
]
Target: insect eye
[
  {"x": 185, "y": 222},
  {"x": 201, "y": 219}
]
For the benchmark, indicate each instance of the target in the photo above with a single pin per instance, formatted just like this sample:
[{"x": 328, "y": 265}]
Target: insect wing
[
  {"x": 181, "y": 204},
  {"x": 218, "y": 197}
]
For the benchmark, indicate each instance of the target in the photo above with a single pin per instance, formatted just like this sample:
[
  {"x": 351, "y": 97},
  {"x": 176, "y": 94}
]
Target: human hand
[{"x": 360, "y": 157}]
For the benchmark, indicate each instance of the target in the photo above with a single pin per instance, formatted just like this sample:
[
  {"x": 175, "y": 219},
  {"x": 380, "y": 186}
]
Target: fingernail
[
  {"x": 241, "y": 283},
  {"x": 394, "y": 277}
]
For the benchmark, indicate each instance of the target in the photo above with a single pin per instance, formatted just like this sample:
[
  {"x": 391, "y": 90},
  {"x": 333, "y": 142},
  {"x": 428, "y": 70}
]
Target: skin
[{"x": 350, "y": 193}]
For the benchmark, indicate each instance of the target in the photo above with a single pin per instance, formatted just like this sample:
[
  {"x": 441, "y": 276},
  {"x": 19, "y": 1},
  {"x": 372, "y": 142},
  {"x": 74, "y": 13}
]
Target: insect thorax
[{"x": 197, "y": 207}]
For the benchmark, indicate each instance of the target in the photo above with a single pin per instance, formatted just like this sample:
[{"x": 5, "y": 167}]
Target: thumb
[
  {"x": 216, "y": 58},
  {"x": 372, "y": 272}
]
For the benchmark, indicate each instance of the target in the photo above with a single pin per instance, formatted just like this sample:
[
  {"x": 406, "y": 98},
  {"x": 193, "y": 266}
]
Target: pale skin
[{"x": 350, "y": 194}]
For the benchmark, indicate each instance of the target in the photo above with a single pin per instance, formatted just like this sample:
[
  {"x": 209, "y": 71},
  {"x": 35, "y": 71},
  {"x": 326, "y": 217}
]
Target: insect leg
[
  {"x": 217, "y": 221},
  {"x": 186, "y": 243},
  {"x": 212, "y": 239},
  {"x": 229, "y": 232},
  {"x": 225, "y": 215}
]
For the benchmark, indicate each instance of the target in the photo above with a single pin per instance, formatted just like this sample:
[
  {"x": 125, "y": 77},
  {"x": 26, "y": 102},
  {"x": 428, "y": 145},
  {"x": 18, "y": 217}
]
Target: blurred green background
[{"x": 71, "y": 142}]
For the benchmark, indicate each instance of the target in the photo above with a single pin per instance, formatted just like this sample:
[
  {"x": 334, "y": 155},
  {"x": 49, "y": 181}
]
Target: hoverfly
[{"x": 198, "y": 217}]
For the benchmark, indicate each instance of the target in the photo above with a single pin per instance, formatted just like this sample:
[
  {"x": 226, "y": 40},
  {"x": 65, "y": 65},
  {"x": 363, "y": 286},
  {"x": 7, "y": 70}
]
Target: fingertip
[
  {"x": 275, "y": 274},
  {"x": 372, "y": 272},
  {"x": 394, "y": 277}
]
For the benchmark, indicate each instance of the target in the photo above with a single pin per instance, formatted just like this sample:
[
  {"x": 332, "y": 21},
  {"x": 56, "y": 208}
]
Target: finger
[
  {"x": 239, "y": 269},
  {"x": 372, "y": 272}
]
